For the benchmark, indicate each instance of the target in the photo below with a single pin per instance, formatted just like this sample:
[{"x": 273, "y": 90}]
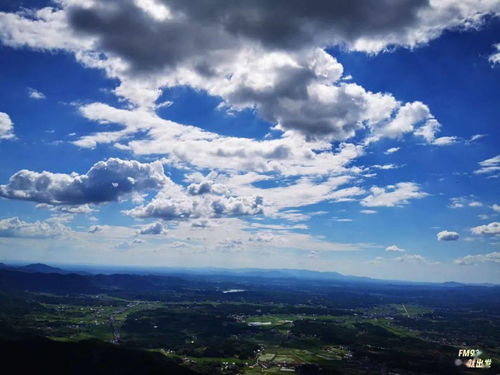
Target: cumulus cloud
[
  {"x": 77, "y": 209},
  {"x": 495, "y": 57},
  {"x": 154, "y": 228},
  {"x": 491, "y": 229},
  {"x": 394, "y": 248},
  {"x": 468, "y": 260},
  {"x": 447, "y": 236},
  {"x": 105, "y": 181},
  {"x": 393, "y": 195},
  {"x": 489, "y": 166},
  {"x": 496, "y": 207},
  {"x": 15, "y": 227},
  {"x": 35, "y": 94},
  {"x": 6, "y": 127},
  {"x": 207, "y": 186},
  {"x": 467, "y": 201},
  {"x": 167, "y": 207},
  {"x": 279, "y": 25},
  {"x": 274, "y": 64},
  {"x": 408, "y": 117},
  {"x": 181, "y": 144}
]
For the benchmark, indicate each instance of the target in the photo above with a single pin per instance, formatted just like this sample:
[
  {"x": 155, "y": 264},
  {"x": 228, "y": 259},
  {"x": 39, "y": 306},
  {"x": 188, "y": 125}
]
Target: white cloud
[
  {"x": 447, "y": 236},
  {"x": 495, "y": 207},
  {"x": 394, "y": 248},
  {"x": 227, "y": 232},
  {"x": 168, "y": 207},
  {"x": 393, "y": 195},
  {"x": 6, "y": 127},
  {"x": 153, "y": 228},
  {"x": 475, "y": 204},
  {"x": 385, "y": 166},
  {"x": 409, "y": 116},
  {"x": 35, "y": 94},
  {"x": 106, "y": 181},
  {"x": 15, "y": 227},
  {"x": 467, "y": 260},
  {"x": 476, "y": 137},
  {"x": 392, "y": 150},
  {"x": 78, "y": 209},
  {"x": 491, "y": 229},
  {"x": 368, "y": 212},
  {"x": 428, "y": 130},
  {"x": 42, "y": 29},
  {"x": 495, "y": 57},
  {"x": 289, "y": 155},
  {"x": 489, "y": 166},
  {"x": 466, "y": 201},
  {"x": 445, "y": 141},
  {"x": 296, "y": 86}
]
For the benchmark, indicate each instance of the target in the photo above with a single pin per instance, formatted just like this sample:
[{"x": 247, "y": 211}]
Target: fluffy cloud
[
  {"x": 281, "y": 25},
  {"x": 154, "y": 228},
  {"x": 496, "y": 207},
  {"x": 289, "y": 155},
  {"x": 495, "y": 57},
  {"x": 489, "y": 166},
  {"x": 467, "y": 260},
  {"x": 15, "y": 227},
  {"x": 278, "y": 68},
  {"x": 272, "y": 61},
  {"x": 35, "y": 94},
  {"x": 407, "y": 118},
  {"x": 394, "y": 248},
  {"x": 75, "y": 209},
  {"x": 393, "y": 195},
  {"x": 106, "y": 181},
  {"x": 207, "y": 186},
  {"x": 6, "y": 127},
  {"x": 167, "y": 207},
  {"x": 467, "y": 201},
  {"x": 447, "y": 236},
  {"x": 491, "y": 229}
]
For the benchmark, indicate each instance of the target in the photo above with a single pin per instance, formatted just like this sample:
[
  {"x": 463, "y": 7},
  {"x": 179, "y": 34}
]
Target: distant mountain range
[
  {"x": 296, "y": 274},
  {"x": 35, "y": 267}
]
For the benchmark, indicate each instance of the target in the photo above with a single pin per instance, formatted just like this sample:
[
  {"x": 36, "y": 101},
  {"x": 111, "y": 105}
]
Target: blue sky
[{"x": 200, "y": 136}]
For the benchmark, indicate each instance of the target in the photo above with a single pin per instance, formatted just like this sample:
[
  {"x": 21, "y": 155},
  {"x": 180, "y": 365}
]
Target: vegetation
[{"x": 186, "y": 324}]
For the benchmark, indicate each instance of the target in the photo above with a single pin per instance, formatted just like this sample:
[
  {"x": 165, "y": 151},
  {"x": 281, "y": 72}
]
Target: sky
[{"x": 359, "y": 137}]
